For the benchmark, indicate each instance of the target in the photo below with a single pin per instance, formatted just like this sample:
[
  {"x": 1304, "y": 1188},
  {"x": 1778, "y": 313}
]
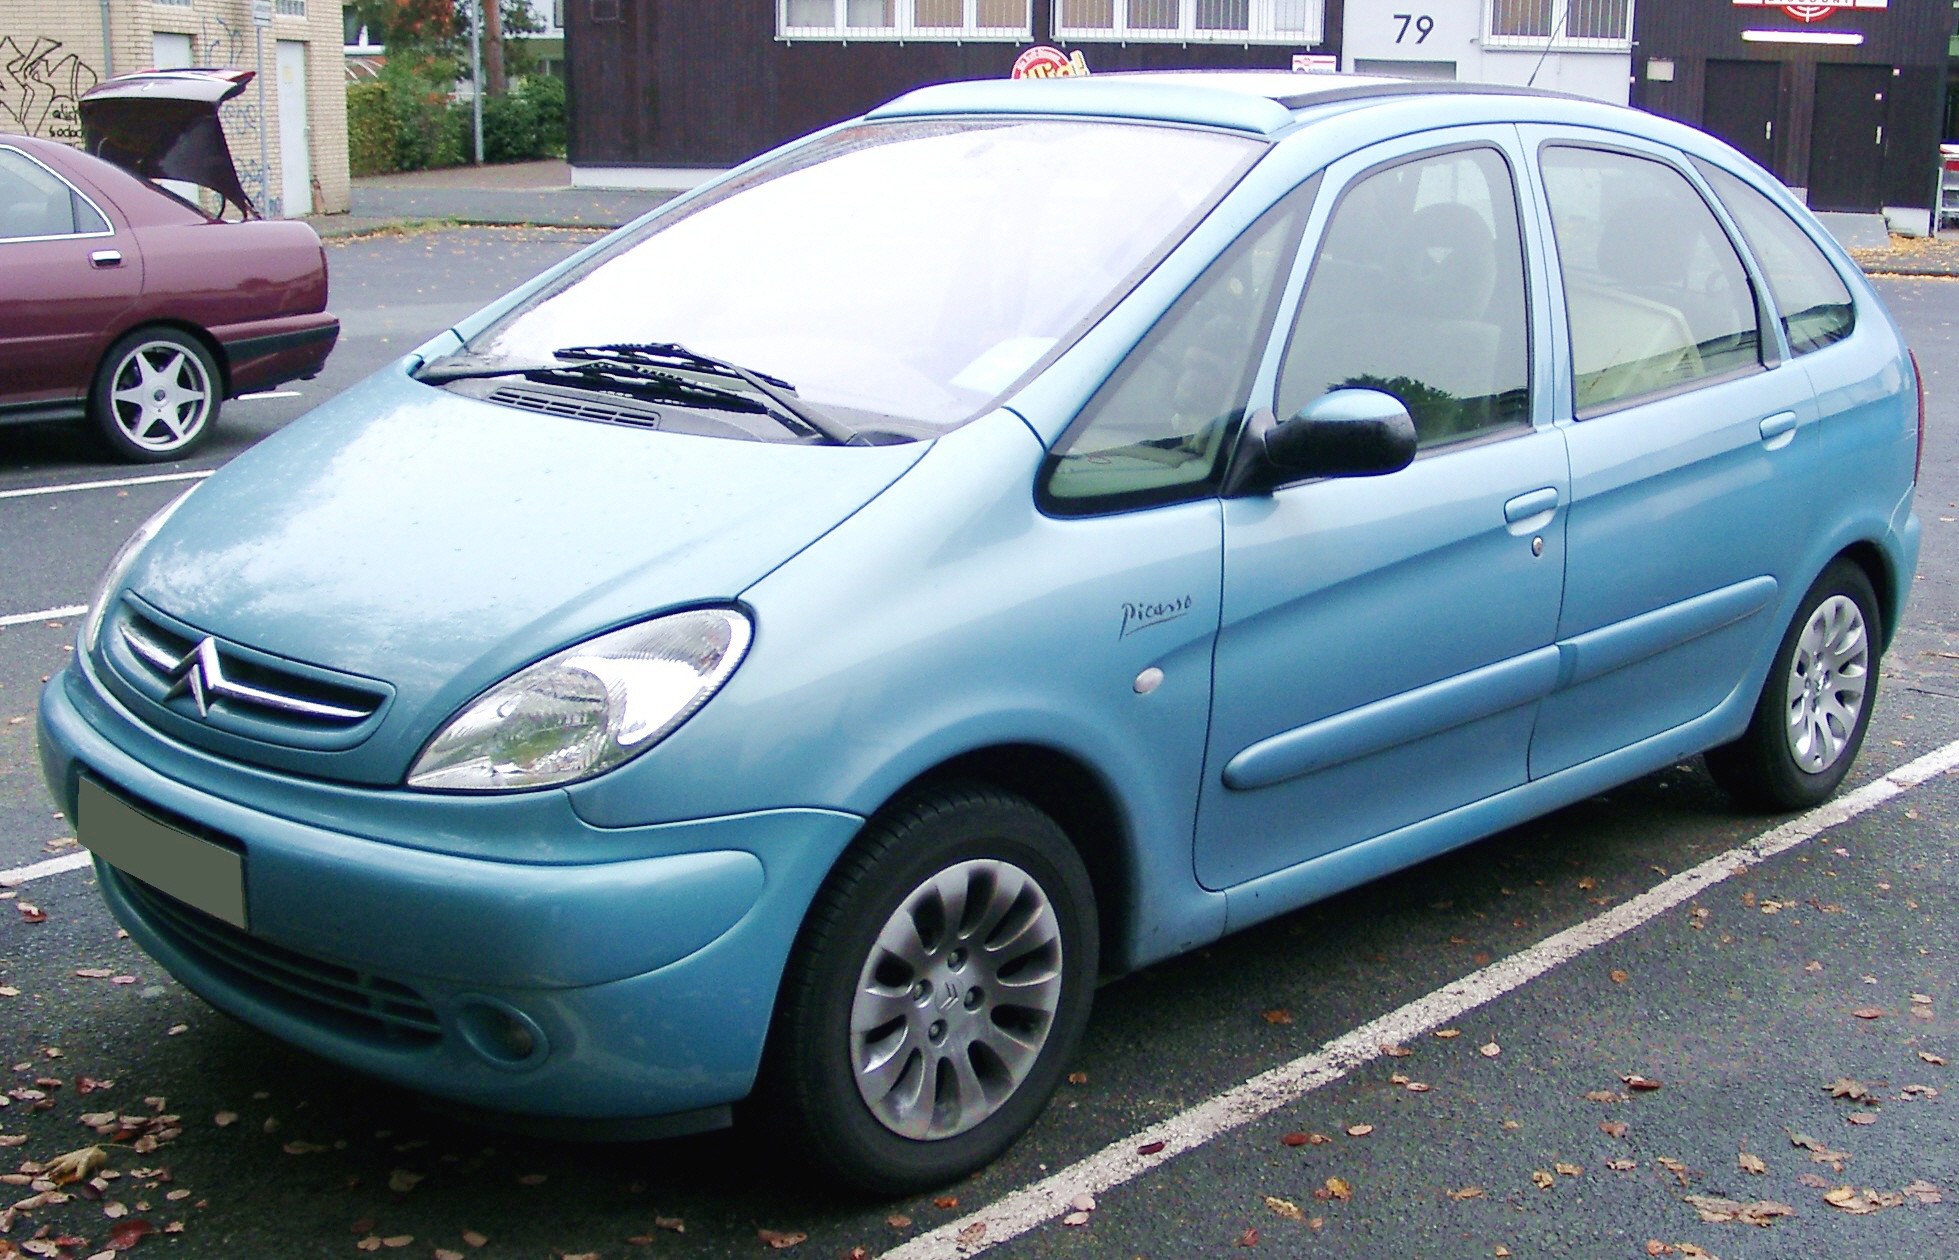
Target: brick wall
[{"x": 52, "y": 50}]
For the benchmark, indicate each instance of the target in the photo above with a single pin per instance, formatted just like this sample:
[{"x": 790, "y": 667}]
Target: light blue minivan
[{"x": 806, "y": 640}]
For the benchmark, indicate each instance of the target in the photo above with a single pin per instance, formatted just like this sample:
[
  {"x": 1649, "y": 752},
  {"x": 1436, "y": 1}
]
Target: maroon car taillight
[{"x": 1918, "y": 378}]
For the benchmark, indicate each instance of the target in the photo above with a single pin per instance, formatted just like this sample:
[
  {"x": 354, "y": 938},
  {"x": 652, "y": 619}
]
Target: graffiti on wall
[{"x": 39, "y": 87}]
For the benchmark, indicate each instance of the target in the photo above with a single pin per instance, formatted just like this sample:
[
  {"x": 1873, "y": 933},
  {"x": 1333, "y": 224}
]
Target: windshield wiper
[{"x": 648, "y": 354}]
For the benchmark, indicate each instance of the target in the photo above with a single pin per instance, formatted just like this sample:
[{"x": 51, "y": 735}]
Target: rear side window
[
  {"x": 35, "y": 202},
  {"x": 1656, "y": 296},
  {"x": 1810, "y": 295},
  {"x": 1158, "y": 430}
]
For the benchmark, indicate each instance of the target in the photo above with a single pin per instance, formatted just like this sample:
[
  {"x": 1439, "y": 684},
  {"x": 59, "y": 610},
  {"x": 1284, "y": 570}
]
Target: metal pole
[
  {"x": 476, "y": 73},
  {"x": 264, "y": 159},
  {"x": 108, "y": 45}
]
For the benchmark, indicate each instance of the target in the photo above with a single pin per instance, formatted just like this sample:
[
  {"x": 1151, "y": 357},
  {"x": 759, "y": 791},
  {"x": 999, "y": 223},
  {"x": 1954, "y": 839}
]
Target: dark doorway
[
  {"x": 1743, "y": 105},
  {"x": 1846, "y": 149}
]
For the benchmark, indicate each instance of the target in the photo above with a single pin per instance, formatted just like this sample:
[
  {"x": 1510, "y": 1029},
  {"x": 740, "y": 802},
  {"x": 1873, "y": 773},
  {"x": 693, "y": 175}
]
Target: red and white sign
[
  {"x": 1042, "y": 62},
  {"x": 1813, "y": 10}
]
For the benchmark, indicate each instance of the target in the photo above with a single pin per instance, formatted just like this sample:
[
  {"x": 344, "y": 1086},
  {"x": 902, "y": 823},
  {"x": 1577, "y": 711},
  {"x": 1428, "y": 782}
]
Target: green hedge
[{"x": 407, "y": 121}]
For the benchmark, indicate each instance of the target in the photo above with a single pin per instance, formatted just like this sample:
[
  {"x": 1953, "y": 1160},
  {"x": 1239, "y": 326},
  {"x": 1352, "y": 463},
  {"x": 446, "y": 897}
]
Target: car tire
[
  {"x": 156, "y": 395},
  {"x": 1816, "y": 704},
  {"x": 917, "y": 1037}
]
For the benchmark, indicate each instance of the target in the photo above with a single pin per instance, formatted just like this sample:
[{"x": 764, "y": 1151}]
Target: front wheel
[
  {"x": 156, "y": 396},
  {"x": 939, "y": 986},
  {"x": 1816, "y": 704}
]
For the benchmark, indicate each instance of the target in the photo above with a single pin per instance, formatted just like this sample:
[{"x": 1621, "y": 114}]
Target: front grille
[
  {"x": 235, "y": 688},
  {"x": 576, "y": 407},
  {"x": 358, "y": 1003}
]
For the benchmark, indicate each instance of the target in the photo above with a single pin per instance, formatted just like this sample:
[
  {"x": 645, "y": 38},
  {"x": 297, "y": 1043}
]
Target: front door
[
  {"x": 1846, "y": 149},
  {"x": 295, "y": 162},
  {"x": 1742, "y": 105},
  {"x": 1384, "y": 641}
]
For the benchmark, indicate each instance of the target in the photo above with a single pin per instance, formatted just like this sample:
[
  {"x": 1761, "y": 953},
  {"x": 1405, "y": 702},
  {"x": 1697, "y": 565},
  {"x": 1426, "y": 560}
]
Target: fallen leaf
[
  {"x": 1621, "y": 1165},
  {"x": 533, "y": 1179},
  {"x": 1674, "y": 1166},
  {"x": 1282, "y": 1207},
  {"x": 1294, "y": 1139},
  {"x": 1338, "y": 1190},
  {"x": 1278, "y": 1017},
  {"x": 126, "y": 1234},
  {"x": 1612, "y": 1128},
  {"x": 780, "y": 1241},
  {"x": 1466, "y": 1193},
  {"x": 1637, "y": 1082},
  {"x": 395, "y": 1242},
  {"x": 1490, "y": 1050},
  {"x": 1078, "y": 1078},
  {"x": 1359, "y": 1130},
  {"x": 1604, "y": 1096},
  {"x": 8, "y": 990},
  {"x": 401, "y": 1181},
  {"x": 1076, "y": 1218},
  {"x": 1448, "y": 1034},
  {"x": 1543, "y": 1180},
  {"x": 1923, "y": 1192},
  {"x": 1082, "y": 1203},
  {"x": 1654, "y": 1247},
  {"x": 1868, "y": 1012},
  {"x": 76, "y": 1165},
  {"x": 1812, "y": 967},
  {"x": 1855, "y": 1091},
  {"x": 370, "y": 1243},
  {"x": 94, "y": 973},
  {"x": 1249, "y": 1238},
  {"x": 1813, "y": 1181},
  {"x": 1501, "y": 1251},
  {"x": 445, "y": 1253},
  {"x": 672, "y": 1224},
  {"x": 1862, "y": 1117},
  {"x": 1393, "y": 1052},
  {"x": 1695, "y": 1253},
  {"x": 30, "y": 914},
  {"x": 1715, "y": 1210},
  {"x": 946, "y": 1202},
  {"x": 474, "y": 1239},
  {"x": 225, "y": 1119},
  {"x": 1419, "y": 1087},
  {"x": 1569, "y": 1170},
  {"x": 1619, "y": 975},
  {"x": 1751, "y": 1163},
  {"x": 1933, "y": 1059},
  {"x": 1149, "y": 1148}
]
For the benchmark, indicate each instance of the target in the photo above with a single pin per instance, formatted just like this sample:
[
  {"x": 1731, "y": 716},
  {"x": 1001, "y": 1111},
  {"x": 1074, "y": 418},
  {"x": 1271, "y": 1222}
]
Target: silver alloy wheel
[
  {"x": 1827, "y": 679},
  {"x": 956, "y": 999},
  {"x": 161, "y": 395}
]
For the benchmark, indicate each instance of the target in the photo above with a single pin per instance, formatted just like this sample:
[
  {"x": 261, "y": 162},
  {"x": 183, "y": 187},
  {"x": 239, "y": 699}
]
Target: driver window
[
  {"x": 34, "y": 203},
  {"x": 1158, "y": 430},
  {"x": 1418, "y": 291}
]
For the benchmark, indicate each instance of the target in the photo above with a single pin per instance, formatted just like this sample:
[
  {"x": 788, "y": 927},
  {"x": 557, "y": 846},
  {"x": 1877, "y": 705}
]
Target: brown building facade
[
  {"x": 662, "y": 88},
  {"x": 1843, "y": 98}
]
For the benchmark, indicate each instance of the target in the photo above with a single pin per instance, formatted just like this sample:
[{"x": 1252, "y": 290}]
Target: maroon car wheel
[{"x": 156, "y": 395}]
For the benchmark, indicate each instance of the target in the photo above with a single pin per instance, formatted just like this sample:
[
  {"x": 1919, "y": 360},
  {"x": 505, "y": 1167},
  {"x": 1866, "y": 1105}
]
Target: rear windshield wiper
[{"x": 670, "y": 353}]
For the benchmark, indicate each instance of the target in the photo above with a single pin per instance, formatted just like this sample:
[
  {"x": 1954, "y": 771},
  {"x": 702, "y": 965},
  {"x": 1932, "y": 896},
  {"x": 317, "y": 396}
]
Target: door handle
[
  {"x": 105, "y": 258},
  {"x": 1778, "y": 428},
  {"x": 1525, "y": 506}
]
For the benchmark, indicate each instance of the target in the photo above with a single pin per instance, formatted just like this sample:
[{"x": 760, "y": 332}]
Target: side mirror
[{"x": 1344, "y": 433}]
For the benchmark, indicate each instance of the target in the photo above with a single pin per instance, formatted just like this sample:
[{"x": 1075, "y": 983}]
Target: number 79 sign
[{"x": 1414, "y": 28}]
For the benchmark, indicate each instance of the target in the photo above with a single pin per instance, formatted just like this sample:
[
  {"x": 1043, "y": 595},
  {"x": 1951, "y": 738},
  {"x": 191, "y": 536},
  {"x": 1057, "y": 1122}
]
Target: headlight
[
  {"x": 587, "y": 709},
  {"x": 111, "y": 583}
]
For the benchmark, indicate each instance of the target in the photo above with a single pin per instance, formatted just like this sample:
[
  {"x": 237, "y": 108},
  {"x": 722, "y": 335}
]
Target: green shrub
[
  {"x": 423, "y": 113},
  {"x": 547, "y": 97},
  {"x": 509, "y": 128},
  {"x": 370, "y": 130}
]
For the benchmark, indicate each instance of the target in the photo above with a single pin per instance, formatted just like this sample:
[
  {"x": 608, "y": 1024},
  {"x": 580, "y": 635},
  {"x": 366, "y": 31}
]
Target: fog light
[{"x": 502, "y": 1034}]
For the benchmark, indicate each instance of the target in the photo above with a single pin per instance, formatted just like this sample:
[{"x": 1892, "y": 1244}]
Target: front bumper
[{"x": 584, "y": 990}]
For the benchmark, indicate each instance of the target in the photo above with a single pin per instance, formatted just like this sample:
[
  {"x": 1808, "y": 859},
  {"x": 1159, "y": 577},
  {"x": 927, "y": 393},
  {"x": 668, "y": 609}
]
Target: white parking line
[
  {"x": 268, "y": 393},
  {"x": 155, "y": 479},
  {"x": 41, "y": 870},
  {"x": 46, "y": 614},
  {"x": 1265, "y": 1093}
]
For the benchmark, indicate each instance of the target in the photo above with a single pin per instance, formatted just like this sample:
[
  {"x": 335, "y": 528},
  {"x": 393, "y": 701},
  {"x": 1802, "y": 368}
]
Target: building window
[
  {"x": 290, "y": 8},
  {"x": 1192, "y": 21},
  {"x": 1570, "y": 24},
  {"x": 905, "y": 19},
  {"x": 172, "y": 4}
]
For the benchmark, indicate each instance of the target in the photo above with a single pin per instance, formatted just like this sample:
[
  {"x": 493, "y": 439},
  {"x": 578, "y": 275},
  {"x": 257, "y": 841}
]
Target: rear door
[
  {"x": 67, "y": 275},
  {"x": 1385, "y": 641},
  {"x": 1694, "y": 450}
]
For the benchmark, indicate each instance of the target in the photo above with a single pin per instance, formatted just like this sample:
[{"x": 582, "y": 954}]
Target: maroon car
[{"x": 127, "y": 304}]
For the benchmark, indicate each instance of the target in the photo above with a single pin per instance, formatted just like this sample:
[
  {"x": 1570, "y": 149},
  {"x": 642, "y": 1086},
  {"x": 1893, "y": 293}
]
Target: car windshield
[{"x": 909, "y": 270}]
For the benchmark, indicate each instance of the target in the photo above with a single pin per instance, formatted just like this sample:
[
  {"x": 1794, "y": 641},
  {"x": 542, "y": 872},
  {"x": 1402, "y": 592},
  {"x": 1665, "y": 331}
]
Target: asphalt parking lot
[{"x": 1759, "y": 979}]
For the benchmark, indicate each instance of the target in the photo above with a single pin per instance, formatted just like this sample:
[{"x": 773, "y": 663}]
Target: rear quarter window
[{"x": 1811, "y": 298}]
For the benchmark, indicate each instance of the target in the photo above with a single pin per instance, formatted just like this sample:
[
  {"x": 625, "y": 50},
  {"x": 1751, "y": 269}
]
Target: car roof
[{"x": 1258, "y": 101}]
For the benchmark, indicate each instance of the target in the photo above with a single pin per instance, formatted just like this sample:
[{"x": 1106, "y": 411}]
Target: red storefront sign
[{"x": 1815, "y": 10}]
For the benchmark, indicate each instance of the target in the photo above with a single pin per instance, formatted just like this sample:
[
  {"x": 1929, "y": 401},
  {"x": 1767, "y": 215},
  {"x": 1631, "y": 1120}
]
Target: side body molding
[
  {"x": 1598, "y": 652},
  {"x": 1401, "y": 719}
]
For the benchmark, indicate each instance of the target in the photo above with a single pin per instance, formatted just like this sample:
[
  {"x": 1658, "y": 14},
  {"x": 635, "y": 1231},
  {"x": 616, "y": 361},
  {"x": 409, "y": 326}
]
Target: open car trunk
[{"x": 163, "y": 124}]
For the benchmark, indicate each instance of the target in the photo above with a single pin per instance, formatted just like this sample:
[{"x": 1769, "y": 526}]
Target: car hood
[
  {"x": 436, "y": 544},
  {"x": 163, "y": 124}
]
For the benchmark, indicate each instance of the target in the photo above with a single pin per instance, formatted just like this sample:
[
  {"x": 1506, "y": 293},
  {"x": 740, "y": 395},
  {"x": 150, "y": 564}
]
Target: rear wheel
[
  {"x": 1816, "y": 704},
  {"x": 156, "y": 395},
  {"x": 939, "y": 986}
]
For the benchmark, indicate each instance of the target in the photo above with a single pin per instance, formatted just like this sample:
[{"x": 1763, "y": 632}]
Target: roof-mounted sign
[
  {"x": 1042, "y": 62},
  {"x": 1813, "y": 10}
]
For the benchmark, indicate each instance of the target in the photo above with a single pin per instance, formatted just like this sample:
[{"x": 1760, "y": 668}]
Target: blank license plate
[{"x": 190, "y": 868}]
